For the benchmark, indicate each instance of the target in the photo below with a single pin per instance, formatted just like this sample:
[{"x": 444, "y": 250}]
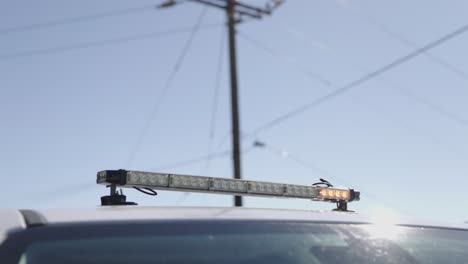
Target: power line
[
  {"x": 361, "y": 80},
  {"x": 198, "y": 159},
  {"x": 287, "y": 155},
  {"x": 47, "y": 195},
  {"x": 377, "y": 110},
  {"x": 166, "y": 87},
  {"x": 442, "y": 111},
  {"x": 289, "y": 61},
  {"x": 398, "y": 88},
  {"x": 312, "y": 74},
  {"x": 77, "y": 19},
  {"x": 106, "y": 42},
  {"x": 194, "y": 160},
  {"x": 408, "y": 43},
  {"x": 434, "y": 58},
  {"x": 217, "y": 86},
  {"x": 405, "y": 92}
]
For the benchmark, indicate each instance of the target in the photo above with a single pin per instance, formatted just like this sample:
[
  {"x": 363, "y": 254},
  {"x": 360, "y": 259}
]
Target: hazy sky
[{"x": 75, "y": 98}]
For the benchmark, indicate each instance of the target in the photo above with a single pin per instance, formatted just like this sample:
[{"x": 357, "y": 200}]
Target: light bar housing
[{"x": 190, "y": 183}]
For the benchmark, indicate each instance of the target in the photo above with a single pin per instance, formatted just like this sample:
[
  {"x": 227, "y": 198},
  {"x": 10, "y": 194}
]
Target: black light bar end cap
[
  {"x": 118, "y": 177},
  {"x": 354, "y": 195}
]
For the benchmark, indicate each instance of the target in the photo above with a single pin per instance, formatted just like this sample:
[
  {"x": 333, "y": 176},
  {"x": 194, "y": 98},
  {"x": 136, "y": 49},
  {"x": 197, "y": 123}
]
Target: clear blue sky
[{"x": 402, "y": 138}]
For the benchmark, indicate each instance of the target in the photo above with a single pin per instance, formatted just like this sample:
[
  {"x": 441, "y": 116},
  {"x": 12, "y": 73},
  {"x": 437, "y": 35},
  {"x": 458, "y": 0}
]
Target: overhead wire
[
  {"x": 195, "y": 160},
  {"x": 77, "y": 19},
  {"x": 281, "y": 152},
  {"x": 167, "y": 85},
  {"x": 217, "y": 86},
  {"x": 436, "y": 108},
  {"x": 215, "y": 102},
  {"x": 408, "y": 43},
  {"x": 106, "y": 42},
  {"x": 49, "y": 194},
  {"x": 367, "y": 77},
  {"x": 315, "y": 76},
  {"x": 224, "y": 139},
  {"x": 375, "y": 109},
  {"x": 198, "y": 159},
  {"x": 312, "y": 74},
  {"x": 398, "y": 88}
]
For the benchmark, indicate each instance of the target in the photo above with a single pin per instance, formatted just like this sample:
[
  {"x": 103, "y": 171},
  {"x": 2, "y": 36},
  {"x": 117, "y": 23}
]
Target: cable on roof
[
  {"x": 147, "y": 191},
  {"x": 323, "y": 182}
]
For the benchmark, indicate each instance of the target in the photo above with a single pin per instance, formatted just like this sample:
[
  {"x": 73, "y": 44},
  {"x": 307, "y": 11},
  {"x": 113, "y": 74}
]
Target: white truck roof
[
  {"x": 11, "y": 219},
  {"x": 107, "y": 213}
]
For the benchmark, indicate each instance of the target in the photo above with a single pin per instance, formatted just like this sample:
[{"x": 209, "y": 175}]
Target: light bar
[{"x": 190, "y": 183}]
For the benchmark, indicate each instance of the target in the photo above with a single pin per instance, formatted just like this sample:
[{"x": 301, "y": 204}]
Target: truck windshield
[{"x": 235, "y": 242}]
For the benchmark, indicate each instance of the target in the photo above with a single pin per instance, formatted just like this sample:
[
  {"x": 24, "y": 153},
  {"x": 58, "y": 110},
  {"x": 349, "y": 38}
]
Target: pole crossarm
[{"x": 239, "y": 8}]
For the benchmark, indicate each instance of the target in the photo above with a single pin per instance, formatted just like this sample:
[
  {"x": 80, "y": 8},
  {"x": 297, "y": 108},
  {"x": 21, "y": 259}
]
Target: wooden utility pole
[
  {"x": 235, "y": 11},
  {"x": 236, "y": 154}
]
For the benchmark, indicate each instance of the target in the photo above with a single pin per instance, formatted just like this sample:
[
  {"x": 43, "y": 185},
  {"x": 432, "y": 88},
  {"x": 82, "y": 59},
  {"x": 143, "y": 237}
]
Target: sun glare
[{"x": 384, "y": 225}]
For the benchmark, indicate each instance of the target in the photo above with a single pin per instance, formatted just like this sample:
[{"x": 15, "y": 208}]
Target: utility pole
[
  {"x": 236, "y": 154},
  {"x": 235, "y": 11}
]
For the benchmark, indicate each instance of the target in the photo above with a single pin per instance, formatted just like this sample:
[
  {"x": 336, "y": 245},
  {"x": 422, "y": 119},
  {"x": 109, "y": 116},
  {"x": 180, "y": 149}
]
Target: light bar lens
[
  {"x": 300, "y": 191},
  {"x": 229, "y": 185},
  {"x": 266, "y": 188},
  {"x": 102, "y": 177},
  {"x": 190, "y": 182},
  {"x": 147, "y": 179},
  {"x": 334, "y": 194}
]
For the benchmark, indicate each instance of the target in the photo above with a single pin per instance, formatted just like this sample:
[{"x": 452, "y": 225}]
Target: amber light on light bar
[{"x": 334, "y": 194}]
